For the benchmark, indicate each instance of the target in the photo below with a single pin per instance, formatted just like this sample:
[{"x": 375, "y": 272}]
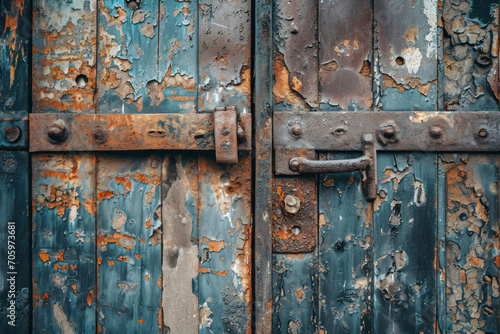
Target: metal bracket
[{"x": 134, "y": 132}]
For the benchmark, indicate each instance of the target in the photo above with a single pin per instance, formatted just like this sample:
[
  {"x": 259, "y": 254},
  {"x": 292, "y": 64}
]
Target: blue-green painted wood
[
  {"x": 15, "y": 252},
  {"x": 404, "y": 237},
  {"x": 472, "y": 243},
  {"x": 345, "y": 253},
  {"x": 295, "y": 293},
  {"x": 129, "y": 246},
  {"x": 441, "y": 248},
  {"x": 178, "y": 52},
  {"x": 127, "y": 62},
  {"x": 64, "y": 266},
  {"x": 225, "y": 233}
]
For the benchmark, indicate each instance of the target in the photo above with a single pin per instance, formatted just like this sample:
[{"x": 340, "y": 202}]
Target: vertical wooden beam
[
  {"x": 262, "y": 185},
  {"x": 225, "y": 232},
  {"x": 404, "y": 235},
  {"x": 128, "y": 56},
  {"x": 472, "y": 243},
  {"x": 295, "y": 62},
  {"x": 64, "y": 269},
  {"x": 470, "y": 55},
  {"x": 345, "y": 54},
  {"x": 129, "y": 246},
  {"x": 176, "y": 89},
  {"x": 64, "y": 266},
  {"x": 224, "y": 54},
  {"x": 345, "y": 253},
  {"x": 15, "y": 232},
  {"x": 180, "y": 244},
  {"x": 406, "y": 55}
]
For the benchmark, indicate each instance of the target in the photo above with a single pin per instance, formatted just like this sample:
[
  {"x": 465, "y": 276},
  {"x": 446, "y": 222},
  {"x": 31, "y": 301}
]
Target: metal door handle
[{"x": 367, "y": 162}]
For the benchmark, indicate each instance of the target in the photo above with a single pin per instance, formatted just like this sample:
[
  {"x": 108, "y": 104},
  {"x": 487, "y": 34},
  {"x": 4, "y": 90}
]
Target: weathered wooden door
[
  {"x": 417, "y": 250},
  {"x": 129, "y": 240}
]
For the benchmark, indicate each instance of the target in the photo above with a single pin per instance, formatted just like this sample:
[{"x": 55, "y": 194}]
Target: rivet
[
  {"x": 389, "y": 131},
  {"x": 12, "y": 133},
  {"x": 100, "y": 135},
  {"x": 58, "y": 131},
  {"x": 296, "y": 130},
  {"x": 435, "y": 132},
  {"x": 483, "y": 133},
  {"x": 225, "y": 131}
]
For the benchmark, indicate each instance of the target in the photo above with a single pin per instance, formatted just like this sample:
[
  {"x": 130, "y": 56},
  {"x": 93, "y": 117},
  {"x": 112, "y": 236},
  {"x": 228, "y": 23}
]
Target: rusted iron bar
[{"x": 130, "y": 132}]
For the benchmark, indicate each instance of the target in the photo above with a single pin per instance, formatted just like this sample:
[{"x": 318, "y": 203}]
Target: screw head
[
  {"x": 294, "y": 164},
  {"x": 58, "y": 131},
  {"x": 12, "y": 133},
  {"x": 296, "y": 130},
  {"x": 389, "y": 132},
  {"x": 483, "y": 133},
  {"x": 435, "y": 132}
]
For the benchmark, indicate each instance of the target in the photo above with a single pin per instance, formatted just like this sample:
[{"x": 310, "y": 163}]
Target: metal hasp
[{"x": 225, "y": 133}]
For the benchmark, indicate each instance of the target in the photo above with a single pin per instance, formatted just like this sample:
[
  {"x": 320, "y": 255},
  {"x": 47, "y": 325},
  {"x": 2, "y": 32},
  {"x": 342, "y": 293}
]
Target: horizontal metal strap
[
  {"x": 128, "y": 132},
  {"x": 393, "y": 130}
]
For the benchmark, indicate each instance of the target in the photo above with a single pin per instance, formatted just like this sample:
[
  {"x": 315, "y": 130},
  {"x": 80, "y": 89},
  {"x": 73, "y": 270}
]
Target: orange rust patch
[
  {"x": 213, "y": 245},
  {"x": 476, "y": 261},
  {"x": 45, "y": 295},
  {"x": 140, "y": 321},
  {"x": 138, "y": 256},
  {"x": 89, "y": 204},
  {"x": 59, "y": 255},
  {"x": 146, "y": 278},
  {"x": 43, "y": 255},
  {"x": 148, "y": 223},
  {"x": 122, "y": 258},
  {"x": 126, "y": 182},
  {"x": 90, "y": 297},
  {"x": 107, "y": 194},
  {"x": 111, "y": 263},
  {"x": 206, "y": 270}
]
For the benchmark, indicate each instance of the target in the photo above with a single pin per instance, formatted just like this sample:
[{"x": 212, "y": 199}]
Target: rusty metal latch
[
  {"x": 225, "y": 131},
  {"x": 367, "y": 162}
]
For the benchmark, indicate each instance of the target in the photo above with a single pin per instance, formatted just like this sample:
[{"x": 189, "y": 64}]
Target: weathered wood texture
[
  {"x": 470, "y": 52},
  {"x": 224, "y": 54},
  {"x": 129, "y": 243},
  {"x": 345, "y": 253},
  {"x": 64, "y": 51},
  {"x": 15, "y": 304},
  {"x": 64, "y": 268},
  {"x": 180, "y": 261},
  {"x": 404, "y": 235},
  {"x": 405, "y": 55},
  {"x": 14, "y": 55},
  {"x": 225, "y": 234},
  {"x": 345, "y": 54},
  {"x": 296, "y": 77}
]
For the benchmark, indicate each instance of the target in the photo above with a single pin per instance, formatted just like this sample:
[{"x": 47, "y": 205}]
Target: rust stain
[
  {"x": 125, "y": 181},
  {"x": 43, "y": 255},
  {"x": 213, "y": 245},
  {"x": 204, "y": 270}
]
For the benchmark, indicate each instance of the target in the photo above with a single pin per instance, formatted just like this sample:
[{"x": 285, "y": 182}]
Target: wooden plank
[
  {"x": 345, "y": 54},
  {"x": 472, "y": 243},
  {"x": 404, "y": 237},
  {"x": 406, "y": 53},
  {"x": 15, "y": 233},
  {"x": 345, "y": 253},
  {"x": 180, "y": 261},
  {"x": 225, "y": 232},
  {"x": 224, "y": 54},
  {"x": 295, "y": 293},
  {"x": 441, "y": 248},
  {"x": 470, "y": 48},
  {"x": 128, "y": 55},
  {"x": 129, "y": 246},
  {"x": 296, "y": 55},
  {"x": 64, "y": 266},
  {"x": 15, "y": 20},
  {"x": 64, "y": 50},
  {"x": 176, "y": 89}
]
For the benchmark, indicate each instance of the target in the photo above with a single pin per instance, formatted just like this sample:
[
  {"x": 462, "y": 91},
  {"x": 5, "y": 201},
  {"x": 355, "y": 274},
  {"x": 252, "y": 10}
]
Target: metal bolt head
[
  {"x": 294, "y": 164},
  {"x": 225, "y": 131},
  {"x": 99, "y": 135},
  {"x": 389, "y": 131},
  {"x": 58, "y": 131},
  {"x": 296, "y": 130},
  {"x": 435, "y": 132},
  {"x": 12, "y": 133},
  {"x": 483, "y": 133},
  {"x": 292, "y": 204}
]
